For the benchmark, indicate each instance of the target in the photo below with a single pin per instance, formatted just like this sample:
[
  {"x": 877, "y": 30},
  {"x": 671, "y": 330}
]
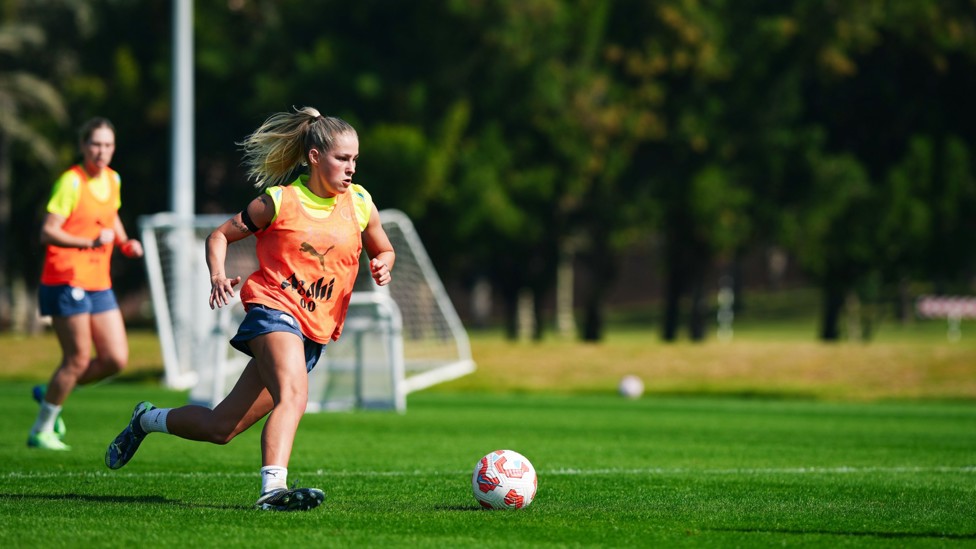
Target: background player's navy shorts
[
  {"x": 65, "y": 300},
  {"x": 261, "y": 320}
]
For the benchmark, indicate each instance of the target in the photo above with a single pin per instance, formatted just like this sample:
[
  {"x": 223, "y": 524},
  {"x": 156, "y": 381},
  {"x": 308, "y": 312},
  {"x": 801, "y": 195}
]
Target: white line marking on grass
[
  {"x": 759, "y": 471},
  {"x": 763, "y": 471}
]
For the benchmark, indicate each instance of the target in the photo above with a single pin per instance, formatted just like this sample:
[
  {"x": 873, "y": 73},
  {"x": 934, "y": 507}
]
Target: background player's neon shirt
[{"x": 88, "y": 206}]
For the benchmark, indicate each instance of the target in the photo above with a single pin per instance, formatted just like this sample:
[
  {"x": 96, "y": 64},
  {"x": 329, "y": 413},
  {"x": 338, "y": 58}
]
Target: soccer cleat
[
  {"x": 46, "y": 440},
  {"x": 121, "y": 450},
  {"x": 296, "y": 499},
  {"x": 59, "y": 428}
]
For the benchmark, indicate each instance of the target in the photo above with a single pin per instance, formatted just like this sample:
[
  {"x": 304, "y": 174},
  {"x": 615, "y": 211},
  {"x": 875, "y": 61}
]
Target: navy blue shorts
[
  {"x": 261, "y": 320},
  {"x": 65, "y": 300}
]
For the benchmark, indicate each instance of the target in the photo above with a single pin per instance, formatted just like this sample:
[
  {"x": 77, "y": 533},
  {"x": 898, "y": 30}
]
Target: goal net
[{"x": 397, "y": 339}]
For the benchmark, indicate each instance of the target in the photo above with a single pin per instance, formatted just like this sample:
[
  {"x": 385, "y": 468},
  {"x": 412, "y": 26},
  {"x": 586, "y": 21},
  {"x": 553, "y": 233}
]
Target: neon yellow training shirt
[
  {"x": 322, "y": 207},
  {"x": 67, "y": 189}
]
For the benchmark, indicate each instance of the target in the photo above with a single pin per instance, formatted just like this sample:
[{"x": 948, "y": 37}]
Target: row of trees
[{"x": 521, "y": 136}]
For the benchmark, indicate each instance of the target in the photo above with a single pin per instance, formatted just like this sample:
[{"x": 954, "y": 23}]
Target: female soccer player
[
  {"x": 309, "y": 237},
  {"x": 80, "y": 230}
]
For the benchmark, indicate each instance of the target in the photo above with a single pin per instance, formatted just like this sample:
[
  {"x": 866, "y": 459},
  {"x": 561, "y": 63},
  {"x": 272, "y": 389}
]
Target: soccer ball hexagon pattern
[{"x": 504, "y": 479}]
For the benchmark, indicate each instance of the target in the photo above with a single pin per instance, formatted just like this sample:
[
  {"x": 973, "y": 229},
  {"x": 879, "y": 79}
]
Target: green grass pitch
[{"x": 661, "y": 471}]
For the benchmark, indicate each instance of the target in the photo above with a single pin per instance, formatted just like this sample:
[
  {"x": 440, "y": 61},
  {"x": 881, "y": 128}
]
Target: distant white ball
[
  {"x": 504, "y": 479},
  {"x": 631, "y": 386}
]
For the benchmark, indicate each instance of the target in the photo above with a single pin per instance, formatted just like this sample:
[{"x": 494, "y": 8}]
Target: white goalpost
[{"x": 397, "y": 339}]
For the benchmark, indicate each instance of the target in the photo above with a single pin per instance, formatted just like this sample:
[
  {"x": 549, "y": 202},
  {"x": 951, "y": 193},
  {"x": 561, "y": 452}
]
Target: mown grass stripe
[{"x": 542, "y": 473}]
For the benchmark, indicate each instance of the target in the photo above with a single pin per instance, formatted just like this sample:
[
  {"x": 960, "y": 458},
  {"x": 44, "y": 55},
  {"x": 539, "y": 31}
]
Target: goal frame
[{"x": 194, "y": 343}]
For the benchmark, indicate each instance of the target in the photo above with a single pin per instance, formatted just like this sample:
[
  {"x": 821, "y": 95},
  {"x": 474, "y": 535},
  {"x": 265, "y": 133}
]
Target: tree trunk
[
  {"x": 526, "y": 314},
  {"x": 594, "y": 295},
  {"x": 593, "y": 319},
  {"x": 5, "y": 234},
  {"x": 538, "y": 315},
  {"x": 510, "y": 305},
  {"x": 833, "y": 303},
  {"x": 673, "y": 289},
  {"x": 600, "y": 264},
  {"x": 699, "y": 307},
  {"x": 565, "y": 319}
]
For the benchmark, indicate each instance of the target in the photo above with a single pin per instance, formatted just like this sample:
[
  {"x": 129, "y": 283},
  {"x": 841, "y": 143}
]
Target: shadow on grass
[
  {"x": 152, "y": 376},
  {"x": 459, "y": 508},
  {"x": 864, "y": 534},
  {"x": 127, "y": 500}
]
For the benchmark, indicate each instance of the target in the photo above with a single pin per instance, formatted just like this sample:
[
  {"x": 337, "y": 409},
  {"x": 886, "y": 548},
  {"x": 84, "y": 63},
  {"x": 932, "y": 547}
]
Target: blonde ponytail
[{"x": 281, "y": 143}]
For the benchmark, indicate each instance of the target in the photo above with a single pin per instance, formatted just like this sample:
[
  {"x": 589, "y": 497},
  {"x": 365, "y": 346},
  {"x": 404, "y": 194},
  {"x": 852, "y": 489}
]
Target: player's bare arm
[
  {"x": 379, "y": 249},
  {"x": 256, "y": 216}
]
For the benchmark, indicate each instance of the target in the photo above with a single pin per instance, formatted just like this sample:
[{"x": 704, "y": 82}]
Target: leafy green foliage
[{"x": 516, "y": 133}]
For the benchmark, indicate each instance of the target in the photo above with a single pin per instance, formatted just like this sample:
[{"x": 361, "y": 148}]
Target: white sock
[
  {"x": 45, "y": 418},
  {"x": 154, "y": 421},
  {"x": 273, "y": 477}
]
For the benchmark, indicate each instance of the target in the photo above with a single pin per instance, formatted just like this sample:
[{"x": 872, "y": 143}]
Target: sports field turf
[{"x": 662, "y": 471}]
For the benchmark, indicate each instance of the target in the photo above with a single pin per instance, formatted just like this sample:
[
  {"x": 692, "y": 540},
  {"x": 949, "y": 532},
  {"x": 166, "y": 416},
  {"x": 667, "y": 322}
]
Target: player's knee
[
  {"x": 76, "y": 364},
  {"x": 223, "y": 432},
  {"x": 114, "y": 364},
  {"x": 294, "y": 408},
  {"x": 221, "y": 439},
  {"x": 294, "y": 400}
]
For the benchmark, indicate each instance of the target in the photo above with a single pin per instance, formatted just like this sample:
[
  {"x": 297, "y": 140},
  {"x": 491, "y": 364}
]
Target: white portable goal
[{"x": 397, "y": 339}]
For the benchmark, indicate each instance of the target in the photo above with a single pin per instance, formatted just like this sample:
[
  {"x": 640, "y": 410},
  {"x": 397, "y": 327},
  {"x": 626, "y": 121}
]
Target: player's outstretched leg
[
  {"x": 121, "y": 450},
  {"x": 296, "y": 499},
  {"x": 59, "y": 428}
]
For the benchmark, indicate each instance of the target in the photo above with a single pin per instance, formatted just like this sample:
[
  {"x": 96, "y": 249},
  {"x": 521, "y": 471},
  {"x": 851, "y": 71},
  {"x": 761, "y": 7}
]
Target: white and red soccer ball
[{"x": 504, "y": 479}]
